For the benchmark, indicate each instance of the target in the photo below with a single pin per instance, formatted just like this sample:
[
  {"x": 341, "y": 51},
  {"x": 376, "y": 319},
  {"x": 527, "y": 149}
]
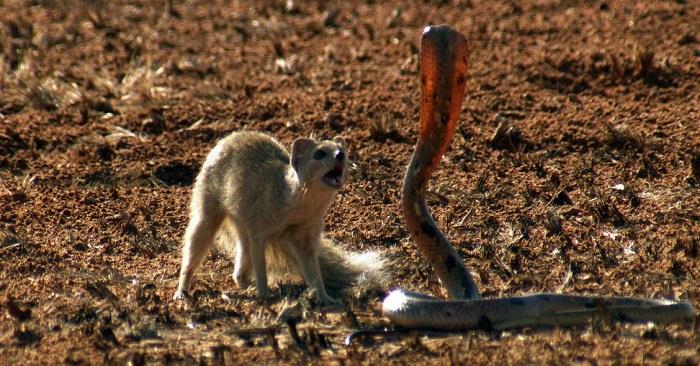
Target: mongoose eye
[{"x": 319, "y": 154}]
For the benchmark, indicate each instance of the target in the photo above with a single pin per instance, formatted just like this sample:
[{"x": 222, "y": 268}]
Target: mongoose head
[{"x": 320, "y": 163}]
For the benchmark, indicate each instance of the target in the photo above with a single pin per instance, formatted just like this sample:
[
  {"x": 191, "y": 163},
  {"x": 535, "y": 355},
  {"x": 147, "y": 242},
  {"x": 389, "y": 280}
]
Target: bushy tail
[{"x": 340, "y": 269}]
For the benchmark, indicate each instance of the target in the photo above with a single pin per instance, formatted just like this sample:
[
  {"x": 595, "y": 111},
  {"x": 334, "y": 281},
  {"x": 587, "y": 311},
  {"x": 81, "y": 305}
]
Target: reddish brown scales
[{"x": 443, "y": 75}]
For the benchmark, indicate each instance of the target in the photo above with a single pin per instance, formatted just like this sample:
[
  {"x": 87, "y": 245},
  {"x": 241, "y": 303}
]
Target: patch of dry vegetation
[
  {"x": 23, "y": 87},
  {"x": 384, "y": 128},
  {"x": 579, "y": 71}
]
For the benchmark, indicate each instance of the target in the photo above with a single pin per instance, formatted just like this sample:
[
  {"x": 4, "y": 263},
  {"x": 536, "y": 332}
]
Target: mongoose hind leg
[
  {"x": 242, "y": 269},
  {"x": 204, "y": 223},
  {"x": 257, "y": 258},
  {"x": 307, "y": 259}
]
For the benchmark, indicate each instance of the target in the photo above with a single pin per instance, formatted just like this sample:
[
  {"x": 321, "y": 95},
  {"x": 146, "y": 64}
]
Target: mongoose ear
[
  {"x": 301, "y": 147},
  {"x": 339, "y": 140}
]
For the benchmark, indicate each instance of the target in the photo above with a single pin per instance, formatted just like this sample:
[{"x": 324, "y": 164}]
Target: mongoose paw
[
  {"x": 181, "y": 295},
  {"x": 241, "y": 280},
  {"x": 262, "y": 294}
]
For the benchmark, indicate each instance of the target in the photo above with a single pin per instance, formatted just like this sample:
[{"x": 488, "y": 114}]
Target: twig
[{"x": 9, "y": 247}]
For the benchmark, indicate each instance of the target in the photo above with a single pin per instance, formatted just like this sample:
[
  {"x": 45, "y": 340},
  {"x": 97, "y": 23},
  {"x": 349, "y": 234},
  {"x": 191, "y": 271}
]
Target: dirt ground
[{"x": 107, "y": 109}]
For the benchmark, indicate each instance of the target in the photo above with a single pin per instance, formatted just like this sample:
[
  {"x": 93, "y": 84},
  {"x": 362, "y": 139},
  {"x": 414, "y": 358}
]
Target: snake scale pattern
[{"x": 443, "y": 61}]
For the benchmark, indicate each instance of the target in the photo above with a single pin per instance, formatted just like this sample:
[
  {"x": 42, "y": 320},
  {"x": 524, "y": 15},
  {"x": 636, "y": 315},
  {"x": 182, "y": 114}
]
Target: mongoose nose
[{"x": 340, "y": 155}]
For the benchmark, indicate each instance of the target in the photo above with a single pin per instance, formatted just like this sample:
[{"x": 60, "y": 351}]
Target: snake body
[
  {"x": 413, "y": 310},
  {"x": 443, "y": 79}
]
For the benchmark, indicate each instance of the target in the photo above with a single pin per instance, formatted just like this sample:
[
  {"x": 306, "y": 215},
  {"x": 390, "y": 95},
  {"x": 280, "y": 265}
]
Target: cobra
[{"x": 443, "y": 77}]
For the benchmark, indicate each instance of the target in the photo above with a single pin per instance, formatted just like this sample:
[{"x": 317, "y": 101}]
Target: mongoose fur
[{"x": 268, "y": 206}]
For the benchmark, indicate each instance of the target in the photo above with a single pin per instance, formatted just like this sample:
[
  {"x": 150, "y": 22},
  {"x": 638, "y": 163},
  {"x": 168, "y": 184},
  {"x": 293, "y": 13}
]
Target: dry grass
[
  {"x": 52, "y": 93},
  {"x": 506, "y": 135},
  {"x": 693, "y": 177},
  {"x": 384, "y": 128},
  {"x": 24, "y": 86},
  {"x": 621, "y": 137},
  {"x": 642, "y": 64},
  {"x": 579, "y": 71},
  {"x": 8, "y": 240},
  {"x": 17, "y": 189},
  {"x": 140, "y": 83},
  {"x": 553, "y": 223},
  {"x": 48, "y": 93}
]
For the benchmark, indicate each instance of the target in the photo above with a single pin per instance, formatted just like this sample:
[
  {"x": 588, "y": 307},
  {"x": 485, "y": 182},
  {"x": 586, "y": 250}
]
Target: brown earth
[{"x": 108, "y": 109}]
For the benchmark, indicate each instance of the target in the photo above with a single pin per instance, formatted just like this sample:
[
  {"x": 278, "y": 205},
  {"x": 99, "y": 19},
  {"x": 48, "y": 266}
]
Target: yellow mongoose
[{"x": 263, "y": 200}]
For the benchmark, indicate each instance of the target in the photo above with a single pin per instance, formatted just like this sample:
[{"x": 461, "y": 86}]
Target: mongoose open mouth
[{"x": 334, "y": 178}]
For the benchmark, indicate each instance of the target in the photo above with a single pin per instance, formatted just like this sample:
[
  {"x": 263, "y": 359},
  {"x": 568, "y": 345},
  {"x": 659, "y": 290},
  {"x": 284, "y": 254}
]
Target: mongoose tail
[{"x": 340, "y": 269}]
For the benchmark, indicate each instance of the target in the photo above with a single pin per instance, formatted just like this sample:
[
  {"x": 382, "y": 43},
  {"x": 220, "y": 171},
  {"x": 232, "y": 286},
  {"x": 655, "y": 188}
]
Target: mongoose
[{"x": 262, "y": 200}]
